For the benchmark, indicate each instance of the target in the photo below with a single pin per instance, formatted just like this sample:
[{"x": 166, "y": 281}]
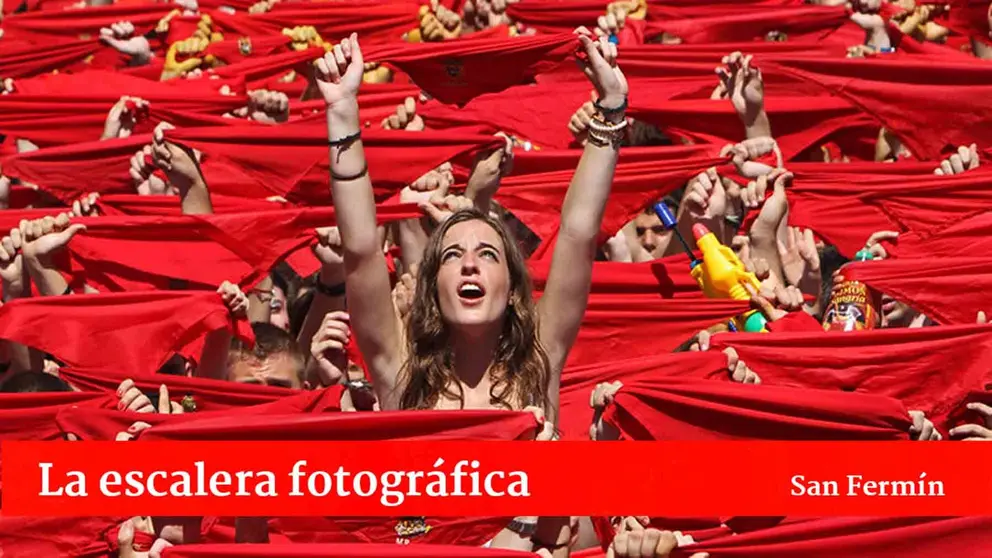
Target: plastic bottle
[
  {"x": 853, "y": 306},
  {"x": 722, "y": 275}
]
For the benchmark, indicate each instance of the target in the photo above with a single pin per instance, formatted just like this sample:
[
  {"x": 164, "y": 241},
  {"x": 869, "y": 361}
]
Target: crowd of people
[{"x": 516, "y": 191}]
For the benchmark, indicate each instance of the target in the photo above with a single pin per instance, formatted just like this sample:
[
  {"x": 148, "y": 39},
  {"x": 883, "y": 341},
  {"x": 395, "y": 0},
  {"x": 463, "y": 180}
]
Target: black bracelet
[
  {"x": 68, "y": 290},
  {"x": 345, "y": 178},
  {"x": 605, "y": 110},
  {"x": 345, "y": 140},
  {"x": 330, "y": 290}
]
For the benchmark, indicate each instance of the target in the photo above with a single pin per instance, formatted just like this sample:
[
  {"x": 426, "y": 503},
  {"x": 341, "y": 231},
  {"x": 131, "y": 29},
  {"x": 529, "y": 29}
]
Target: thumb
[
  {"x": 432, "y": 211},
  {"x": 65, "y": 236}
]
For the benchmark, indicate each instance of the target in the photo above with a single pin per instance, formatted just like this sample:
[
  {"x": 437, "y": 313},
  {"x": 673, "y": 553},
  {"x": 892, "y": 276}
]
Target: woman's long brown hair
[{"x": 520, "y": 365}]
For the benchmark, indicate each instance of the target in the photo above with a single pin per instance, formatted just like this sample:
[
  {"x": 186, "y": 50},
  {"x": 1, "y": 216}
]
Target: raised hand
[
  {"x": 744, "y": 85},
  {"x": 339, "y": 74},
  {"x": 439, "y": 208},
  {"x": 488, "y": 170},
  {"x": 800, "y": 261},
  {"x": 328, "y": 348},
  {"x": 178, "y": 163},
  {"x": 600, "y": 66},
  {"x": 975, "y": 432},
  {"x": 776, "y": 206},
  {"x": 42, "y": 238},
  {"x": 269, "y": 107},
  {"x": 330, "y": 254},
  {"x": 405, "y": 117},
  {"x": 403, "y": 293},
  {"x": 235, "y": 300},
  {"x": 120, "y": 36},
  {"x": 148, "y": 182},
  {"x": 86, "y": 206},
  {"x": 601, "y": 396},
  {"x": 705, "y": 196},
  {"x": 578, "y": 125},
  {"x": 438, "y": 23},
  {"x": 744, "y": 153},
  {"x": 12, "y": 271},
  {"x": 123, "y": 116},
  {"x": 922, "y": 429},
  {"x": 965, "y": 159},
  {"x": 441, "y": 177},
  {"x": 874, "y": 243}
]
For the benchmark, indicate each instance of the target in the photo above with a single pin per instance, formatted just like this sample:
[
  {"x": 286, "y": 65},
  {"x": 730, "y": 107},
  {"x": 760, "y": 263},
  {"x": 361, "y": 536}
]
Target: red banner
[{"x": 496, "y": 478}]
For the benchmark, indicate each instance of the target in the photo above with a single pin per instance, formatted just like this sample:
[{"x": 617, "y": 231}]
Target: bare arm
[
  {"x": 180, "y": 165},
  {"x": 567, "y": 290},
  {"x": 374, "y": 324},
  {"x": 331, "y": 276}
]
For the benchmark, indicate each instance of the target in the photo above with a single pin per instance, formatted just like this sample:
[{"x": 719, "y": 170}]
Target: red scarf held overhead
[
  {"x": 292, "y": 161},
  {"x": 906, "y": 537},
  {"x": 666, "y": 277},
  {"x": 799, "y": 123},
  {"x": 104, "y": 424},
  {"x": 129, "y": 253},
  {"x": 970, "y": 235},
  {"x": 663, "y": 408},
  {"x": 929, "y": 369},
  {"x": 26, "y": 60},
  {"x": 578, "y": 382},
  {"x": 457, "y": 71},
  {"x": 714, "y": 25},
  {"x": 947, "y": 102},
  {"x": 208, "y": 394},
  {"x": 642, "y": 325},
  {"x": 82, "y": 24},
  {"x": 133, "y": 332},
  {"x": 536, "y": 199},
  {"x": 374, "y": 22}
]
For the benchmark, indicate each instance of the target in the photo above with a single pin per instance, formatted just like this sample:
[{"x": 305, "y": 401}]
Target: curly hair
[{"x": 521, "y": 368}]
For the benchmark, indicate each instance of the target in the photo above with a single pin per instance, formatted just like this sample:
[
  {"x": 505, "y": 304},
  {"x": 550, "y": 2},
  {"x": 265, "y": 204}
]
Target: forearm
[
  {"x": 585, "y": 202},
  {"x": 759, "y": 126},
  {"x": 412, "y": 238},
  {"x": 195, "y": 200},
  {"x": 981, "y": 50},
  {"x": 354, "y": 201},
  {"x": 260, "y": 302},
  {"x": 321, "y": 305},
  {"x": 46, "y": 277},
  {"x": 878, "y": 38}
]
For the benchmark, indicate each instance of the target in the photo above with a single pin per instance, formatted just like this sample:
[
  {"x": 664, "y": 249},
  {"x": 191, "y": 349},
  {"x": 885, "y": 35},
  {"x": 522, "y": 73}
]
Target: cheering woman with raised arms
[{"x": 474, "y": 338}]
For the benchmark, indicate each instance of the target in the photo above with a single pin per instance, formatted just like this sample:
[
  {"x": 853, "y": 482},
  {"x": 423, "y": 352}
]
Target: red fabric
[
  {"x": 457, "y": 71},
  {"x": 134, "y": 333},
  {"x": 668, "y": 277},
  {"x": 970, "y": 235},
  {"x": 909, "y": 537},
  {"x": 333, "y": 20},
  {"x": 133, "y": 204},
  {"x": 578, "y": 382},
  {"x": 26, "y": 60},
  {"x": 653, "y": 408},
  {"x": 949, "y": 290},
  {"x": 105, "y": 424},
  {"x": 641, "y": 325},
  {"x": 291, "y": 161},
  {"x": 31, "y": 416},
  {"x": 929, "y": 369},
  {"x": 801, "y": 23},
  {"x": 130, "y": 253},
  {"x": 947, "y": 99},
  {"x": 83, "y": 24},
  {"x": 795, "y": 322},
  {"x": 339, "y": 551},
  {"x": 536, "y": 199},
  {"x": 208, "y": 394},
  {"x": 798, "y": 123},
  {"x": 969, "y": 17},
  {"x": 929, "y": 202},
  {"x": 395, "y": 425}
]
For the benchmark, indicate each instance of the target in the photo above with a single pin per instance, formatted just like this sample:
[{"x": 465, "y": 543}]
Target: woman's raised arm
[
  {"x": 376, "y": 327},
  {"x": 567, "y": 288}
]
